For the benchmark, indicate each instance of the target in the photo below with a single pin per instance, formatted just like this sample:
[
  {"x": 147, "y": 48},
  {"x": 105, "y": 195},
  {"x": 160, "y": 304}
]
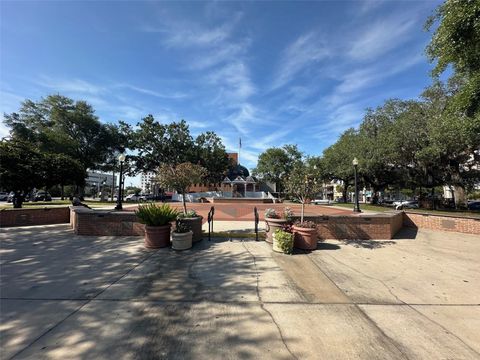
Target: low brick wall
[
  {"x": 358, "y": 227},
  {"x": 105, "y": 223},
  {"x": 32, "y": 216},
  {"x": 466, "y": 225}
]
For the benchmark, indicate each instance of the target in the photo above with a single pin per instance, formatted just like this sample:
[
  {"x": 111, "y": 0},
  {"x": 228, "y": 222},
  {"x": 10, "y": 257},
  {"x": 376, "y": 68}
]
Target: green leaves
[{"x": 156, "y": 215}]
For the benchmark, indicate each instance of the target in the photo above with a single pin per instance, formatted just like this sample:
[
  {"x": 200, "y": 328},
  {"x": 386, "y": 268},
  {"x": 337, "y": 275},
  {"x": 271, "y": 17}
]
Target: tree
[
  {"x": 456, "y": 42},
  {"x": 275, "y": 164},
  {"x": 62, "y": 170},
  {"x": 338, "y": 159},
  {"x": 158, "y": 144},
  {"x": 180, "y": 177},
  {"x": 19, "y": 165},
  {"x": 210, "y": 153},
  {"x": 375, "y": 147},
  {"x": 303, "y": 183},
  {"x": 57, "y": 124}
]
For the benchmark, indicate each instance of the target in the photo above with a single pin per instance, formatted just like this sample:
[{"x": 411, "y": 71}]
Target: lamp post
[
  {"x": 356, "y": 207},
  {"x": 121, "y": 159}
]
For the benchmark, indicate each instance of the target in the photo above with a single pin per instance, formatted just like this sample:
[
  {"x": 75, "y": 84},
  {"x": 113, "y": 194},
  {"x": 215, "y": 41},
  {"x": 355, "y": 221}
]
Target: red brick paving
[{"x": 244, "y": 211}]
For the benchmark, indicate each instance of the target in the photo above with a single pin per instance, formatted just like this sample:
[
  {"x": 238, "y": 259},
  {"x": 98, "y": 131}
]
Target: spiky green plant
[{"x": 156, "y": 215}]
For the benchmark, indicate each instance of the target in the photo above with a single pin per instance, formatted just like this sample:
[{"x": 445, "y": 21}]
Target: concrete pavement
[{"x": 66, "y": 296}]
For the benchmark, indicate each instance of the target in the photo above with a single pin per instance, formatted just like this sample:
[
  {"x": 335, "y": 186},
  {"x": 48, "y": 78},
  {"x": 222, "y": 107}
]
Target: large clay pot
[
  {"x": 305, "y": 238},
  {"x": 182, "y": 241},
  {"x": 157, "y": 236},
  {"x": 272, "y": 225},
  {"x": 195, "y": 224}
]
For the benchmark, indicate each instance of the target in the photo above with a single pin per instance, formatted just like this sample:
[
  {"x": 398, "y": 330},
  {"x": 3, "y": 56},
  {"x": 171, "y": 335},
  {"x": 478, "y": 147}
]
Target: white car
[
  {"x": 321, "y": 202},
  {"x": 133, "y": 197},
  {"x": 405, "y": 204}
]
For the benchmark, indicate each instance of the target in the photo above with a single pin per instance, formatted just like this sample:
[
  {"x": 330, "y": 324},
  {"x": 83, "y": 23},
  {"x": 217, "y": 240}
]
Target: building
[
  {"x": 146, "y": 181},
  {"x": 96, "y": 178}
]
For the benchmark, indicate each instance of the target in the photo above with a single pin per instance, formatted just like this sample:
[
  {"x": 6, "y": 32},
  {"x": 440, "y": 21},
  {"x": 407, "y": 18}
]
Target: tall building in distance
[{"x": 146, "y": 179}]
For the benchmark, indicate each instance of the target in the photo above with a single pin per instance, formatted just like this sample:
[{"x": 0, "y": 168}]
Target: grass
[
  {"x": 379, "y": 208},
  {"x": 57, "y": 203}
]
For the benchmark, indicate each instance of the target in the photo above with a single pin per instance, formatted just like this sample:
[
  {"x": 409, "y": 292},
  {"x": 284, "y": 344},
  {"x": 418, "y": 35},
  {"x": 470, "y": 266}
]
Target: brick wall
[
  {"x": 106, "y": 223},
  {"x": 29, "y": 216},
  {"x": 361, "y": 227},
  {"x": 467, "y": 225}
]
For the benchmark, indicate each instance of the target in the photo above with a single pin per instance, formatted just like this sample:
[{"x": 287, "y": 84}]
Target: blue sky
[{"x": 269, "y": 72}]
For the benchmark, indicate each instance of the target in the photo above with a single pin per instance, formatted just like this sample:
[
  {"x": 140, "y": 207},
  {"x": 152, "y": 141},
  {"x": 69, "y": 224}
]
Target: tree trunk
[
  {"x": 452, "y": 190},
  {"x": 433, "y": 198},
  {"x": 303, "y": 211},
  {"x": 113, "y": 184},
  {"x": 62, "y": 191},
  {"x": 344, "y": 193},
  {"x": 17, "y": 200},
  {"x": 184, "y": 205}
]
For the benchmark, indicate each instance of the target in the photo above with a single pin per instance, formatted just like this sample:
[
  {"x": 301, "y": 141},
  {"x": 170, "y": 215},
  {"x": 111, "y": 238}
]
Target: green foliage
[
  {"x": 303, "y": 184},
  {"x": 181, "y": 227},
  {"x": 24, "y": 167},
  {"x": 171, "y": 144},
  {"x": 275, "y": 164},
  {"x": 456, "y": 42},
  {"x": 284, "y": 241},
  {"x": 180, "y": 177},
  {"x": 57, "y": 124},
  {"x": 156, "y": 215},
  {"x": 189, "y": 214}
]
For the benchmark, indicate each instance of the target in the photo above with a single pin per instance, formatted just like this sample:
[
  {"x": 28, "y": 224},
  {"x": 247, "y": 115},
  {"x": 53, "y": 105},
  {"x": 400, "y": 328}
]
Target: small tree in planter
[
  {"x": 304, "y": 184},
  {"x": 180, "y": 178}
]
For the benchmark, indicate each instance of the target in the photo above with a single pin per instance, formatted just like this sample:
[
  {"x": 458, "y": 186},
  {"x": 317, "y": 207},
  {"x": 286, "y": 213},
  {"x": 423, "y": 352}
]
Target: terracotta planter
[
  {"x": 182, "y": 241},
  {"x": 305, "y": 238},
  {"x": 157, "y": 236},
  {"x": 195, "y": 224},
  {"x": 272, "y": 225}
]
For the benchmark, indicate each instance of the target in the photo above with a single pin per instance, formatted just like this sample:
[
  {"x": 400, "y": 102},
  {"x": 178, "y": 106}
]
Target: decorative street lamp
[
  {"x": 121, "y": 159},
  {"x": 356, "y": 207}
]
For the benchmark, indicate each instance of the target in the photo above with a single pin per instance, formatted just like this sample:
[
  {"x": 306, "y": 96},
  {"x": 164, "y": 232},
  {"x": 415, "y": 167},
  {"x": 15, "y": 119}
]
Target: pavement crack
[{"x": 262, "y": 304}]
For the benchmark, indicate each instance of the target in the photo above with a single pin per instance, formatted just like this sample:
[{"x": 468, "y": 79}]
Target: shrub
[
  {"x": 156, "y": 215},
  {"x": 181, "y": 228},
  {"x": 306, "y": 224},
  {"x": 284, "y": 241},
  {"x": 271, "y": 214},
  {"x": 189, "y": 214}
]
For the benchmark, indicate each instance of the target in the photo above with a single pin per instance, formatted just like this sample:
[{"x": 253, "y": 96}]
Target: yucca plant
[{"x": 156, "y": 215}]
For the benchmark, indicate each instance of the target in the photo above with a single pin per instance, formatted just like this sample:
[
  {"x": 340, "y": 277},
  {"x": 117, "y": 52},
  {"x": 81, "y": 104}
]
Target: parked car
[
  {"x": 3, "y": 196},
  {"x": 42, "y": 196},
  {"x": 406, "y": 204},
  {"x": 321, "y": 202},
  {"x": 134, "y": 197},
  {"x": 474, "y": 205}
]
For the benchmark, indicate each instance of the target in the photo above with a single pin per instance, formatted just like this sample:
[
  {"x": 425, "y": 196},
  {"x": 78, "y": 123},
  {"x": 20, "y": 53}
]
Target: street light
[
  {"x": 121, "y": 159},
  {"x": 356, "y": 207}
]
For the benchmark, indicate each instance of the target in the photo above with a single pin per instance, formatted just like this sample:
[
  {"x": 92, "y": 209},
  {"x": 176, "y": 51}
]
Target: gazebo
[{"x": 238, "y": 181}]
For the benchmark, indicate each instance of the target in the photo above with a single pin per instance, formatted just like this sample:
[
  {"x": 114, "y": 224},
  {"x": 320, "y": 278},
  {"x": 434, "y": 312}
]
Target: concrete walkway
[{"x": 67, "y": 296}]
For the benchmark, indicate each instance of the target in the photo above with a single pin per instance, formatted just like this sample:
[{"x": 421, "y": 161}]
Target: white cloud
[
  {"x": 307, "y": 50},
  {"x": 172, "y": 95},
  {"x": 69, "y": 85},
  {"x": 380, "y": 37}
]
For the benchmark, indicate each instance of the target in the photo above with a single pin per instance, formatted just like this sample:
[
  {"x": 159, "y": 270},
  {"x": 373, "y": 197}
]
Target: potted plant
[
  {"x": 182, "y": 237},
  {"x": 304, "y": 183},
  {"x": 305, "y": 235},
  {"x": 282, "y": 241},
  {"x": 157, "y": 220},
  {"x": 274, "y": 221},
  {"x": 194, "y": 222}
]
